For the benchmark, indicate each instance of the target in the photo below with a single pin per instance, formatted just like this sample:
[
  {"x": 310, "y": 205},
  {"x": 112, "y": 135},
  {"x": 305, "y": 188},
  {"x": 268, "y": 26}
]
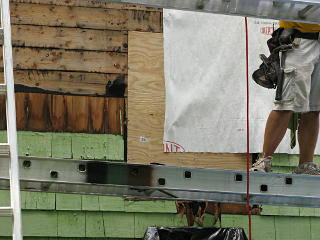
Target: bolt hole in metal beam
[
  {"x": 26, "y": 164},
  {"x": 162, "y": 181},
  {"x": 238, "y": 178},
  {"x": 264, "y": 188},
  {"x": 289, "y": 181},
  {"x": 63, "y": 175},
  {"x": 54, "y": 174},
  {"x": 82, "y": 168},
  {"x": 187, "y": 174}
]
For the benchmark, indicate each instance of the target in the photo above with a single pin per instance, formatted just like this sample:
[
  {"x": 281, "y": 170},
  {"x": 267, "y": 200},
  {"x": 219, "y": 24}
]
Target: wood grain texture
[
  {"x": 146, "y": 109},
  {"x": 59, "y": 59},
  {"x": 38, "y": 111},
  {"x": 62, "y": 113},
  {"x": 72, "y": 82},
  {"x": 70, "y": 224},
  {"x": 116, "y": 107},
  {"x": 97, "y": 119},
  {"x": 58, "y": 114},
  {"x": 82, "y": 17},
  {"x": 69, "y": 38},
  {"x": 90, "y": 3},
  {"x": 78, "y": 114}
]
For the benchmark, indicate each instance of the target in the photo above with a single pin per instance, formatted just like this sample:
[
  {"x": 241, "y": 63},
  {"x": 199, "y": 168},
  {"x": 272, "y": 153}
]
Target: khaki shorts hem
[{"x": 290, "y": 107}]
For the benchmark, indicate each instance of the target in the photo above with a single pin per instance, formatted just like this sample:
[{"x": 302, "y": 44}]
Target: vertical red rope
[{"x": 248, "y": 155}]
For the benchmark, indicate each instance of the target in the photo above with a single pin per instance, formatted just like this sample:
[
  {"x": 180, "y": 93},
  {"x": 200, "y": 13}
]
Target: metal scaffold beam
[
  {"x": 163, "y": 182},
  {"x": 291, "y": 10}
]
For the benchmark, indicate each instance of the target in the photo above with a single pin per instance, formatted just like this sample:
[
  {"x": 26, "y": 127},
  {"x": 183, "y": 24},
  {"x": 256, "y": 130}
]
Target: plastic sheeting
[
  {"x": 205, "y": 78},
  {"x": 194, "y": 233}
]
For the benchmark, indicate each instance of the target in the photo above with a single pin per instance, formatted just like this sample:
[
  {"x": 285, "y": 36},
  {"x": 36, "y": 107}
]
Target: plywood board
[{"x": 146, "y": 110}]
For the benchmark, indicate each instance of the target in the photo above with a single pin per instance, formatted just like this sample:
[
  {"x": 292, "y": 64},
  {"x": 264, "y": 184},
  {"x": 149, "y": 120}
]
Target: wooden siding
[
  {"x": 90, "y": 3},
  {"x": 69, "y": 145},
  {"x": 58, "y": 59},
  {"x": 85, "y": 216},
  {"x": 81, "y": 37},
  {"x": 69, "y": 38},
  {"x": 77, "y": 83},
  {"x": 76, "y": 48},
  {"x": 63, "y": 113},
  {"x": 84, "y": 17}
]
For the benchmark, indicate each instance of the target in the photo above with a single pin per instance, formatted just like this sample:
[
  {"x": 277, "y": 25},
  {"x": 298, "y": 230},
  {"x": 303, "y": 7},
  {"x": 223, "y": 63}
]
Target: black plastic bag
[{"x": 194, "y": 233}]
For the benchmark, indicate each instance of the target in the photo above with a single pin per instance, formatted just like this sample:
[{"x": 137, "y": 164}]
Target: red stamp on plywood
[{"x": 169, "y": 146}]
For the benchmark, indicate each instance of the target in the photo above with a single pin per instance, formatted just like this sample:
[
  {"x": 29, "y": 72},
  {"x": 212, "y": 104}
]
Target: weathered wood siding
[
  {"x": 77, "y": 48},
  {"x": 63, "y": 113}
]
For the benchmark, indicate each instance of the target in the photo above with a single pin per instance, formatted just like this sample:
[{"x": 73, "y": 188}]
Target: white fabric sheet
[{"x": 205, "y": 77}]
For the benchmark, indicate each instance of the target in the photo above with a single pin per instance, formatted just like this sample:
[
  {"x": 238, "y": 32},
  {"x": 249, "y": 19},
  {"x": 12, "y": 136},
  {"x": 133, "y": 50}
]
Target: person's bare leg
[
  {"x": 276, "y": 128},
  {"x": 308, "y": 135}
]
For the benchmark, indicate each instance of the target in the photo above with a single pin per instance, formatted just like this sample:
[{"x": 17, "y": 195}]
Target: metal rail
[
  {"x": 291, "y": 10},
  {"x": 163, "y": 182}
]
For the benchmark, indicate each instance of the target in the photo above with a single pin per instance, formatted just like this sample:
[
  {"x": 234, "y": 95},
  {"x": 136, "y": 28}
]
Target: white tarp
[{"x": 205, "y": 77}]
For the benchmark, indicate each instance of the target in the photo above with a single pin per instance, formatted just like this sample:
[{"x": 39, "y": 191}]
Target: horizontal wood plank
[
  {"x": 81, "y": 17},
  {"x": 58, "y": 59},
  {"x": 69, "y": 38},
  {"x": 96, "y": 84},
  {"x": 90, "y": 3},
  {"x": 61, "y": 113}
]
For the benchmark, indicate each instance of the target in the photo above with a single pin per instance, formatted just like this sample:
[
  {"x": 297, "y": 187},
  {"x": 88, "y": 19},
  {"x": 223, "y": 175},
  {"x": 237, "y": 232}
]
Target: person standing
[{"x": 300, "y": 94}]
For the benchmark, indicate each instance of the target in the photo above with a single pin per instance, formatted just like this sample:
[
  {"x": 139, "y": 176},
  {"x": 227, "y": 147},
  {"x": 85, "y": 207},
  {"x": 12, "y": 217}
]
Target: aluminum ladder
[{"x": 10, "y": 148}]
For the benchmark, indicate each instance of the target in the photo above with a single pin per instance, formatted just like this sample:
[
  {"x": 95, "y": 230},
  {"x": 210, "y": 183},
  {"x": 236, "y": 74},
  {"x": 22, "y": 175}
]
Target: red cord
[{"x": 248, "y": 154}]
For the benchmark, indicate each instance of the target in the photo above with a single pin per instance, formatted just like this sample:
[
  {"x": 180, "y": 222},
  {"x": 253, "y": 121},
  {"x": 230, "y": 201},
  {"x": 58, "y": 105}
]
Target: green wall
[
  {"x": 73, "y": 216},
  {"x": 69, "y": 145},
  {"x": 88, "y": 216}
]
